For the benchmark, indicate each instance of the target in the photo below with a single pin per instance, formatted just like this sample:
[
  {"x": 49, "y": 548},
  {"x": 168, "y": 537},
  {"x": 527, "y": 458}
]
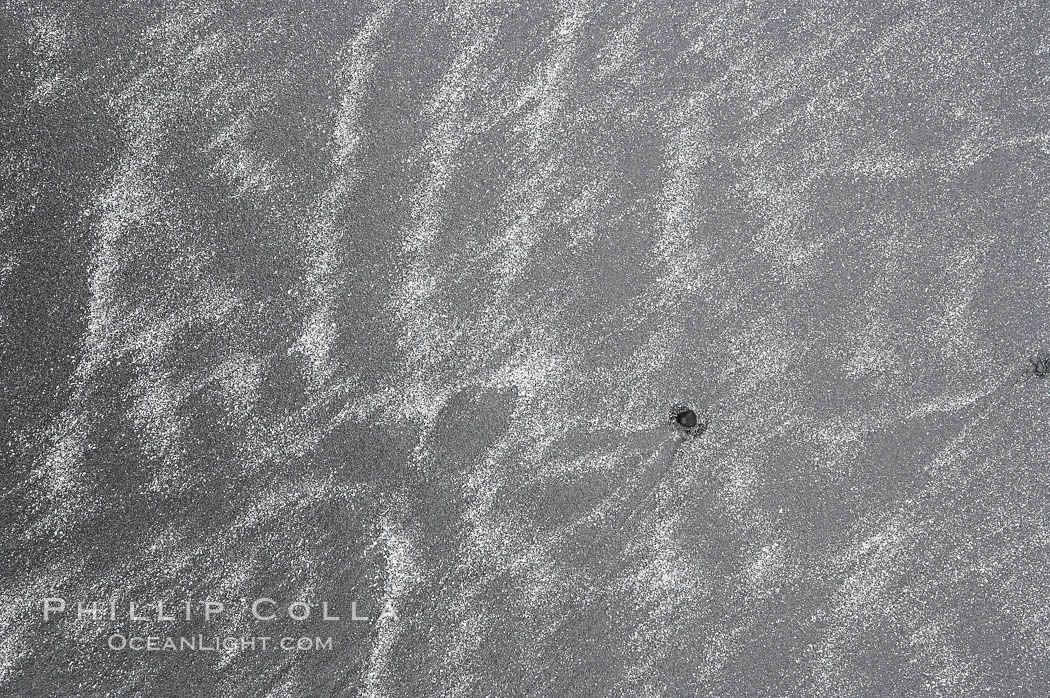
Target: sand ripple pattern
[{"x": 385, "y": 302}]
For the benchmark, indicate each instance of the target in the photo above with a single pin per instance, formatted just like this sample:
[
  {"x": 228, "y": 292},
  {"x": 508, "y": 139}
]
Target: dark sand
[{"x": 389, "y": 303}]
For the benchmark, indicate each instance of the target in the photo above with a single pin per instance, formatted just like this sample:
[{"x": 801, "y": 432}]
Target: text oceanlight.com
[{"x": 201, "y": 643}]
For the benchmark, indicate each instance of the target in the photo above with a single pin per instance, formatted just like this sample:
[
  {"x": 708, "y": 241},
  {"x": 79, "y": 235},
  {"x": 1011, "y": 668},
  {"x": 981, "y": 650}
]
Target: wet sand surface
[{"x": 389, "y": 302}]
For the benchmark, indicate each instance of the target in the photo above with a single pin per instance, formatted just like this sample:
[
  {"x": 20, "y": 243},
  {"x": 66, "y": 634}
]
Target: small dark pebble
[
  {"x": 1041, "y": 366},
  {"x": 685, "y": 417}
]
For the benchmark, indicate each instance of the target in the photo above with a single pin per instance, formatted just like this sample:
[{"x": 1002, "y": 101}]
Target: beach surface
[{"x": 388, "y": 303}]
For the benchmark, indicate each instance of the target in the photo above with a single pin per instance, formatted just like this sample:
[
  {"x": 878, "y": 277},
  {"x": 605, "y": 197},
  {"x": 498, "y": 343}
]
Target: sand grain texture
[{"x": 388, "y": 302}]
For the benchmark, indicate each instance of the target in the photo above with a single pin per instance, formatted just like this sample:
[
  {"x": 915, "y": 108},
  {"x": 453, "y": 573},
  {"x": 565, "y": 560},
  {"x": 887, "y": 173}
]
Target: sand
[{"x": 387, "y": 304}]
